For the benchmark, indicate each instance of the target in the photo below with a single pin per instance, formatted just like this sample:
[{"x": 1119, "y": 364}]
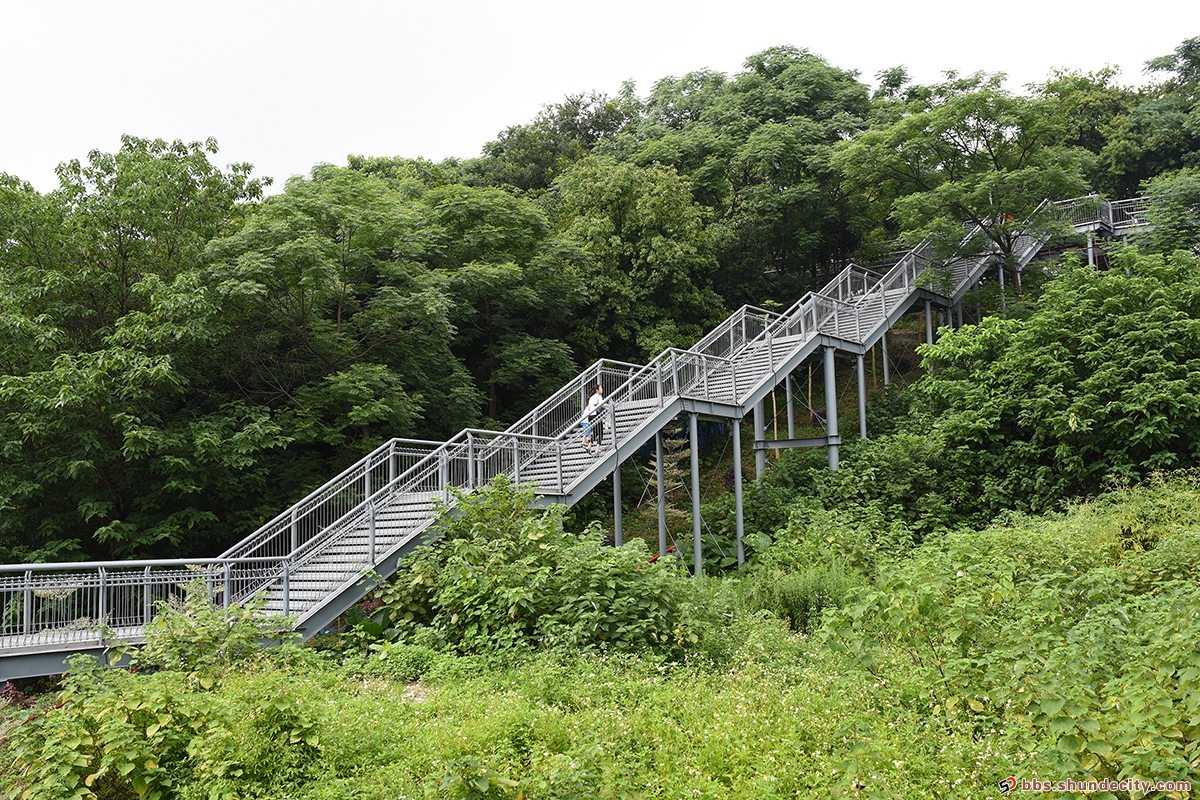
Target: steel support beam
[
  {"x": 737, "y": 489},
  {"x": 662, "y": 496},
  {"x": 792, "y": 444},
  {"x": 694, "y": 435},
  {"x": 831, "y": 424},
  {"x": 760, "y": 456},
  {"x": 862, "y": 397}
]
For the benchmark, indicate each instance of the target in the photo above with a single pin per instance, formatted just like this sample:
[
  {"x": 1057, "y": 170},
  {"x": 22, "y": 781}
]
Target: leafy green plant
[
  {"x": 196, "y": 635},
  {"x": 506, "y": 576},
  {"x": 1002, "y": 627},
  {"x": 800, "y": 597}
]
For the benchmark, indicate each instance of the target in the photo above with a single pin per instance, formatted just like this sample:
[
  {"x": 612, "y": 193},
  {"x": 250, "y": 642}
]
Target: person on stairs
[
  {"x": 594, "y": 417},
  {"x": 586, "y": 424}
]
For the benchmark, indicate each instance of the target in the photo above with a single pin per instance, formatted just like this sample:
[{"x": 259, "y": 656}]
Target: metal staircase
[{"x": 310, "y": 561}]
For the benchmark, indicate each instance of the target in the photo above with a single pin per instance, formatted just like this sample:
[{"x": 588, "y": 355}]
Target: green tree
[
  {"x": 339, "y": 320},
  {"x": 756, "y": 150},
  {"x": 116, "y": 439},
  {"x": 529, "y": 157},
  {"x": 648, "y": 275},
  {"x": 515, "y": 288},
  {"x": 1161, "y": 132},
  {"x": 967, "y": 151}
]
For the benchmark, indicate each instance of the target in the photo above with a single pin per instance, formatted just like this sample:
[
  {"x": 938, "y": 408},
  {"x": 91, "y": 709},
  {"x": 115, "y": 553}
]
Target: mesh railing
[
  {"x": 740, "y": 327},
  {"x": 52, "y": 605}
]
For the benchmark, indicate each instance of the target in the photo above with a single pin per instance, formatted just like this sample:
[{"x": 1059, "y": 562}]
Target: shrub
[
  {"x": 195, "y": 635},
  {"x": 800, "y": 597},
  {"x": 504, "y": 575}
]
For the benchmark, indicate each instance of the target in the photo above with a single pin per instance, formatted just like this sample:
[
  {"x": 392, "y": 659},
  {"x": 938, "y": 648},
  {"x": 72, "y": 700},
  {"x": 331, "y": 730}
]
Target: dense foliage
[
  {"x": 1061, "y": 647},
  {"x": 502, "y": 576}
]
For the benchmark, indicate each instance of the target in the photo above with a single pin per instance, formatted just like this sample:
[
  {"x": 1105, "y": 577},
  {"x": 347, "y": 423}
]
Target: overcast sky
[{"x": 285, "y": 85}]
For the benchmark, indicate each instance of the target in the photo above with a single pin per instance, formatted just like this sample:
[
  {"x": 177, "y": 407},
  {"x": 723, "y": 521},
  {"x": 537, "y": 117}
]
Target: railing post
[
  {"x": 675, "y": 376},
  {"x": 287, "y": 588},
  {"x": 444, "y": 475},
  {"x": 470, "y": 461},
  {"x": 28, "y": 613},
  {"x": 147, "y": 606},
  {"x": 770, "y": 352},
  {"x": 612, "y": 422},
  {"x": 367, "y": 478},
  {"x": 392, "y": 456},
  {"x": 516, "y": 460},
  {"x": 561, "y": 443},
  {"x": 704, "y": 372},
  {"x": 102, "y": 606},
  {"x": 371, "y": 533},
  {"x": 658, "y": 382},
  {"x": 295, "y": 533},
  {"x": 228, "y": 584},
  {"x": 733, "y": 380}
]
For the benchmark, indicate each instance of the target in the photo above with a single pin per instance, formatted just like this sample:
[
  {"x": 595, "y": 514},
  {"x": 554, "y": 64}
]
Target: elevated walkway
[{"x": 310, "y": 560}]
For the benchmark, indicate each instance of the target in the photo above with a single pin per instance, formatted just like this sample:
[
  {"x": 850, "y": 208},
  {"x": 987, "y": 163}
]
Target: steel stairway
[{"x": 310, "y": 561}]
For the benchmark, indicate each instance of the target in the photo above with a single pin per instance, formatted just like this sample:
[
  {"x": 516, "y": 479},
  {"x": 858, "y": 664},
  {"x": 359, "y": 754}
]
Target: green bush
[
  {"x": 195, "y": 634},
  {"x": 800, "y": 597},
  {"x": 1082, "y": 649},
  {"x": 115, "y": 734},
  {"x": 505, "y": 576}
]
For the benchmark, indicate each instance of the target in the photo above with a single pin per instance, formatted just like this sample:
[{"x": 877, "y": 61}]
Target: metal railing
[{"x": 54, "y": 604}]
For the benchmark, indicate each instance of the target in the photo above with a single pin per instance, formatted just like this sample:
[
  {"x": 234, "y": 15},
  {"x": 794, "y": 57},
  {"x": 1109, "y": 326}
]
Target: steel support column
[
  {"x": 737, "y": 489},
  {"x": 862, "y": 398},
  {"x": 760, "y": 456},
  {"x": 887, "y": 368},
  {"x": 662, "y": 496},
  {"x": 791, "y": 411},
  {"x": 831, "y": 425},
  {"x": 694, "y": 434},
  {"x": 617, "y": 532}
]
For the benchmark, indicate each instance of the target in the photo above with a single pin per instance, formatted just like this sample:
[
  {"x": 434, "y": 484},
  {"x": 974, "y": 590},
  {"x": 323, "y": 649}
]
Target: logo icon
[{"x": 1007, "y": 785}]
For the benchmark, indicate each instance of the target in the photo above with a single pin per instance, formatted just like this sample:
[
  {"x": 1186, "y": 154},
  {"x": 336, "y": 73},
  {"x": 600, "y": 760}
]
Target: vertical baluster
[
  {"x": 102, "y": 608},
  {"x": 371, "y": 533},
  {"x": 27, "y": 612}
]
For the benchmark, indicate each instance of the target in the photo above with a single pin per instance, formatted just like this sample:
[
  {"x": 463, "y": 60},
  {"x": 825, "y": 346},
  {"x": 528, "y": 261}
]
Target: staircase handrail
[
  {"x": 731, "y": 325},
  {"x": 568, "y": 390},
  {"x": 313, "y": 499}
]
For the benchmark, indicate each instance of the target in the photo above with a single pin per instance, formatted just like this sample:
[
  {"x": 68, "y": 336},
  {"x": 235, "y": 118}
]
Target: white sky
[{"x": 285, "y": 85}]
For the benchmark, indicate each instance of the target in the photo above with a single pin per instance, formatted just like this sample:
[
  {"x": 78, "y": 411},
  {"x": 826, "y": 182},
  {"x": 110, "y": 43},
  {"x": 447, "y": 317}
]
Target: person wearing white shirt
[{"x": 593, "y": 421}]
